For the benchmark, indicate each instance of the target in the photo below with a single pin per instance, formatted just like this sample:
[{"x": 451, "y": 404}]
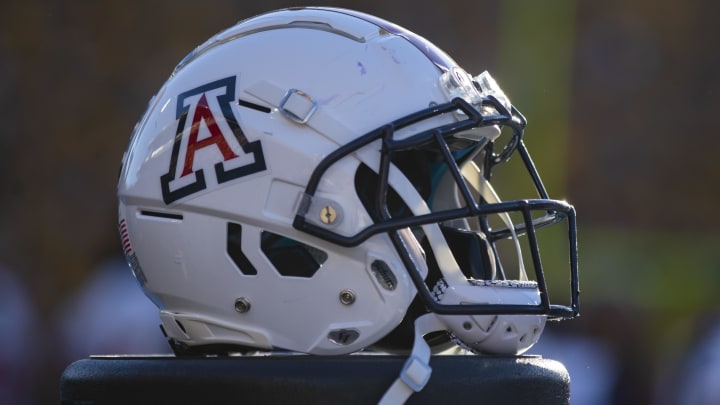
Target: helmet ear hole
[{"x": 291, "y": 258}]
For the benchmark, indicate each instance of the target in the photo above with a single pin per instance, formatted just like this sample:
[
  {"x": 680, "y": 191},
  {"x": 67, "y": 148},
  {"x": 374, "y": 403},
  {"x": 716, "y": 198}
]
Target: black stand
[{"x": 302, "y": 379}]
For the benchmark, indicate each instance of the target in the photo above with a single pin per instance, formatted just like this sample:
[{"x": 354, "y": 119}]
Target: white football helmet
[{"x": 318, "y": 180}]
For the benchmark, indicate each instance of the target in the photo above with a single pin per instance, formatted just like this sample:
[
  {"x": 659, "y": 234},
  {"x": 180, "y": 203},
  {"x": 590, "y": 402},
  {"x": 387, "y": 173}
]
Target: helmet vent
[
  {"x": 291, "y": 258},
  {"x": 164, "y": 215},
  {"x": 384, "y": 275},
  {"x": 234, "y": 249},
  {"x": 343, "y": 336},
  {"x": 253, "y": 106},
  {"x": 180, "y": 325}
]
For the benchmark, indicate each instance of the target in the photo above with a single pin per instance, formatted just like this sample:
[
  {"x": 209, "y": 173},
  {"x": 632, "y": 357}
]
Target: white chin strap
[{"x": 416, "y": 371}]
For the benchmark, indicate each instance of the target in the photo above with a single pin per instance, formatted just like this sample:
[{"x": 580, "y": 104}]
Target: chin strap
[
  {"x": 483, "y": 187},
  {"x": 416, "y": 371}
]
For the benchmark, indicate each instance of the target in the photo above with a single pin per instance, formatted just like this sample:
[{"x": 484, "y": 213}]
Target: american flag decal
[
  {"x": 130, "y": 255},
  {"x": 127, "y": 248}
]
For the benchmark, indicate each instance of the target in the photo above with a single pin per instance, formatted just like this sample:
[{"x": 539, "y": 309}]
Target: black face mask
[{"x": 444, "y": 149}]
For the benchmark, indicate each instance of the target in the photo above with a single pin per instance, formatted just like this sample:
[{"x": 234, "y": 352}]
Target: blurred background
[{"x": 620, "y": 98}]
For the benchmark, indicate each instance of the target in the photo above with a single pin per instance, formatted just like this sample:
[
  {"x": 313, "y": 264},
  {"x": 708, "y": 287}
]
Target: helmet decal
[
  {"x": 214, "y": 131},
  {"x": 130, "y": 255}
]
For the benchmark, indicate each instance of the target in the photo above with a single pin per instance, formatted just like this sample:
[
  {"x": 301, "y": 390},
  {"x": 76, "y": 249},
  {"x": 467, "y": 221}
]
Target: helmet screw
[
  {"x": 328, "y": 215},
  {"x": 347, "y": 297},
  {"x": 242, "y": 305}
]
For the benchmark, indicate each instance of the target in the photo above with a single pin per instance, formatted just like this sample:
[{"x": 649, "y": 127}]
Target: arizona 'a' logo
[{"x": 208, "y": 137}]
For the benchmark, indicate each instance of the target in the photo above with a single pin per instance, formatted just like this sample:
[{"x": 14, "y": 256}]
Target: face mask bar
[
  {"x": 423, "y": 139},
  {"x": 442, "y": 138}
]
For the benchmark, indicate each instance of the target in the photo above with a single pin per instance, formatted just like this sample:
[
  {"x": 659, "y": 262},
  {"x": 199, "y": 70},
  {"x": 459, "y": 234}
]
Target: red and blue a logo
[{"x": 208, "y": 138}]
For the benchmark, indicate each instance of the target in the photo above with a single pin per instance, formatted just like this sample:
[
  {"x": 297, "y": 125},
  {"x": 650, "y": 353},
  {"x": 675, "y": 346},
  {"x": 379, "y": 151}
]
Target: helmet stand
[{"x": 291, "y": 378}]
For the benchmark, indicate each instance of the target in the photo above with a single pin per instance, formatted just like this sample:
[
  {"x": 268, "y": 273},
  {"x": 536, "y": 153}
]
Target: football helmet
[{"x": 317, "y": 180}]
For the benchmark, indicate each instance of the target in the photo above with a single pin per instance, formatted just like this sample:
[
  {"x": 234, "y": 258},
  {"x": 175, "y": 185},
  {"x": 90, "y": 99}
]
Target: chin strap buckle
[{"x": 416, "y": 371}]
